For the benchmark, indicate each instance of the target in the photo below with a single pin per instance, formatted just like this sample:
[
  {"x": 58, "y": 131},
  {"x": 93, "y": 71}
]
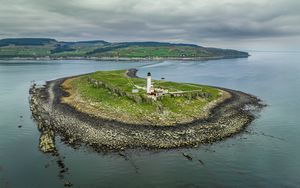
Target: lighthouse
[{"x": 148, "y": 88}]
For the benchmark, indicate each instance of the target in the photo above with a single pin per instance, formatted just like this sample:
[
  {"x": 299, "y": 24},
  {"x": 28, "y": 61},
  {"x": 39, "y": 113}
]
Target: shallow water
[{"x": 267, "y": 155}]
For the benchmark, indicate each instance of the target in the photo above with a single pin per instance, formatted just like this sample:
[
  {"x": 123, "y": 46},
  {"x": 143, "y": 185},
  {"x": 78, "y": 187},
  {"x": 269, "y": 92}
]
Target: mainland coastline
[
  {"x": 100, "y": 50},
  {"x": 126, "y": 58},
  {"x": 230, "y": 116}
]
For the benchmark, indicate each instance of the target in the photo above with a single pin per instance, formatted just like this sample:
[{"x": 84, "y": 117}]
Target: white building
[{"x": 149, "y": 83}]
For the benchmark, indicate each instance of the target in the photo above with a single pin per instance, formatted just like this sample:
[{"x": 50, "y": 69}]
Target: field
[
  {"x": 25, "y": 51},
  {"x": 168, "y": 110},
  {"x": 150, "y": 52}
]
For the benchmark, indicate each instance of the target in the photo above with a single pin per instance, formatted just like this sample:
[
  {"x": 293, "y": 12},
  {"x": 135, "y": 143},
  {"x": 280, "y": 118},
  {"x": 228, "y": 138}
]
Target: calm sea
[{"x": 267, "y": 155}]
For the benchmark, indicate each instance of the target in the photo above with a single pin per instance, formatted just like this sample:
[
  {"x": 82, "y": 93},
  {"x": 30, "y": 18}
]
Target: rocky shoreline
[
  {"x": 127, "y": 58},
  {"x": 56, "y": 118}
]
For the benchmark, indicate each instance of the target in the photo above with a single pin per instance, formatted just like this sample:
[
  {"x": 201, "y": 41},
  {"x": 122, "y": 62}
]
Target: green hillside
[{"x": 51, "y": 48}]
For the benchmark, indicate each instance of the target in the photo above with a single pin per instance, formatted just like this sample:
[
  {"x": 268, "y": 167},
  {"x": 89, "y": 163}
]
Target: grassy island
[
  {"x": 115, "y": 110},
  {"x": 115, "y": 95}
]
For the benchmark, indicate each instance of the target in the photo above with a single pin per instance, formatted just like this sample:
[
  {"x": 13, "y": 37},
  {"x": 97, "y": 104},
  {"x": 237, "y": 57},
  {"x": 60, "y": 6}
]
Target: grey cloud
[{"x": 163, "y": 20}]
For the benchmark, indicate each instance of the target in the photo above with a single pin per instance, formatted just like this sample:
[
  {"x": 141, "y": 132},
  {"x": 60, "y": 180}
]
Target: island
[
  {"x": 48, "y": 49},
  {"x": 117, "y": 110}
]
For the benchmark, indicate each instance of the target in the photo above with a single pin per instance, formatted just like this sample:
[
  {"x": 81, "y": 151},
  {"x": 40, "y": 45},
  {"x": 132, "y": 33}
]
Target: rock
[
  {"x": 60, "y": 163},
  {"x": 47, "y": 142},
  {"x": 68, "y": 184},
  {"x": 123, "y": 155},
  {"x": 201, "y": 162},
  {"x": 187, "y": 156}
]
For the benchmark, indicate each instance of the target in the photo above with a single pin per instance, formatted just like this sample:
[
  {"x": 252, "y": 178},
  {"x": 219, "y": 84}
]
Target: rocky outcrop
[{"x": 47, "y": 142}]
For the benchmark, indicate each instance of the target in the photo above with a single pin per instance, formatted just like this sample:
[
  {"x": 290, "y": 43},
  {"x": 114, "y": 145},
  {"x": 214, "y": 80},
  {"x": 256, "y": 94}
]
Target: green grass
[
  {"x": 161, "y": 51},
  {"x": 79, "y": 51},
  {"x": 175, "y": 109},
  {"x": 22, "y": 51}
]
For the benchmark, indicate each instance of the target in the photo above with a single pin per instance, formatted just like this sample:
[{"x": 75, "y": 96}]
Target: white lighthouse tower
[{"x": 148, "y": 88}]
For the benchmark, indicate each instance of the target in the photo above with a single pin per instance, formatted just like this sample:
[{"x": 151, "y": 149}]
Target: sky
[{"x": 238, "y": 24}]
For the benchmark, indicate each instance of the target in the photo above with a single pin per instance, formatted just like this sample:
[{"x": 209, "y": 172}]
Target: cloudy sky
[{"x": 240, "y": 24}]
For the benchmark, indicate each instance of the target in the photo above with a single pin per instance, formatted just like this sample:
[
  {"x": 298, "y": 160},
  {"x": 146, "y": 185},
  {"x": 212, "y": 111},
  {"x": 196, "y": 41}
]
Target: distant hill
[
  {"x": 99, "y": 49},
  {"x": 26, "y": 41}
]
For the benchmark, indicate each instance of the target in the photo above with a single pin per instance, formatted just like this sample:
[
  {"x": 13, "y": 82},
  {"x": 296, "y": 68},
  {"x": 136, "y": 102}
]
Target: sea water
[{"x": 267, "y": 154}]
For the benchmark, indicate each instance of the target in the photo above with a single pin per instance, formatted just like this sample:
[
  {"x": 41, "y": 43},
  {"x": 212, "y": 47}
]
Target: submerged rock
[
  {"x": 68, "y": 184},
  {"x": 187, "y": 156},
  {"x": 201, "y": 162}
]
